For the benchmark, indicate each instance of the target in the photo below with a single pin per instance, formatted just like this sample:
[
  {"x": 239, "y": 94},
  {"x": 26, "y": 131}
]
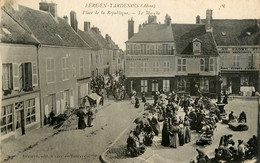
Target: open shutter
[
  {"x": 46, "y": 108},
  {"x": 62, "y": 102},
  {"x": 16, "y": 76},
  {"x": 21, "y": 73},
  {"x": 58, "y": 110},
  {"x": 34, "y": 74},
  {"x": 71, "y": 98},
  {"x": 37, "y": 109}
]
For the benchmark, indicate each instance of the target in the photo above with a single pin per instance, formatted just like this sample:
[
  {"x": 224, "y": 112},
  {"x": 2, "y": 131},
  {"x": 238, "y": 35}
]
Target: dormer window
[
  {"x": 248, "y": 33},
  {"x": 196, "y": 46},
  {"x": 223, "y": 33}
]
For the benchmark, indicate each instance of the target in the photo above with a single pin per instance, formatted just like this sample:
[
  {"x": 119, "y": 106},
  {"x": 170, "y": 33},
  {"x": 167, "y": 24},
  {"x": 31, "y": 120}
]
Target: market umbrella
[
  {"x": 141, "y": 120},
  {"x": 163, "y": 96}
]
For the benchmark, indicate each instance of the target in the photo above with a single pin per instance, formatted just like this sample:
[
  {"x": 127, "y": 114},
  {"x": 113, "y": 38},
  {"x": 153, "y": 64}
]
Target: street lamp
[{"x": 219, "y": 82}]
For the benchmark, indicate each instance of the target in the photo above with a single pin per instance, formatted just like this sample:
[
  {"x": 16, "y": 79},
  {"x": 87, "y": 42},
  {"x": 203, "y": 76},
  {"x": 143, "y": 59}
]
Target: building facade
[
  {"x": 20, "y": 103},
  {"x": 167, "y": 57},
  {"x": 238, "y": 44},
  {"x": 150, "y": 61}
]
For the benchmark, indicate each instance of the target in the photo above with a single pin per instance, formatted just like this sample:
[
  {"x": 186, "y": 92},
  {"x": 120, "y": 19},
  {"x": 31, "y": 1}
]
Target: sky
[{"x": 181, "y": 11}]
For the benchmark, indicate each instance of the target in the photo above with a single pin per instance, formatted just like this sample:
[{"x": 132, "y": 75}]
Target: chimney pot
[
  {"x": 86, "y": 26},
  {"x": 198, "y": 19},
  {"x": 73, "y": 21},
  {"x": 130, "y": 28}
]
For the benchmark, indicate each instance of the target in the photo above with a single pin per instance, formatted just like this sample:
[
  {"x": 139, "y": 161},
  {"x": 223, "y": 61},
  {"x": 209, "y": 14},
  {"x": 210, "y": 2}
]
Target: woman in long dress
[
  {"x": 90, "y": 117},
  {"x": 81, "y": 121},
  {"x": 174, "y": 140},
  {"x": 187, "y": 132},
  {"x": 165, "y": 134},
  {"x": 181, "y": 134}
]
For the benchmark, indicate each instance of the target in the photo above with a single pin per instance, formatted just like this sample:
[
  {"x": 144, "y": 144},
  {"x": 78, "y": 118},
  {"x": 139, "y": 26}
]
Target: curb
[{"x": 102, "y": 156}]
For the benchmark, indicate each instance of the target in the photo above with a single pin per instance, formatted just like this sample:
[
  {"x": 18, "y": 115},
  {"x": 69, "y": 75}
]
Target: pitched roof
[
  {"x": 184, "y": 34},
  {"x": 99, "y": 39},
  {"x": 46, "y": 29},
  {"x": 153, "y": 33},
  {"x": 86, "y": 36},
  {"x": 228, "y": 32},
  {"x": 12, "y": 32}
]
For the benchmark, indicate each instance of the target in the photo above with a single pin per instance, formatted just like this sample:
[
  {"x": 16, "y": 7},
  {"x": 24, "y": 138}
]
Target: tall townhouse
[
  {"x": 180, "y": 57},
  {"x": 63, "y": 58},
  {"x": 238, "y": 44},
  {"x": 150, "y": 60},
  {"x": 196, "y": 60},
  {"x": 20, "y": 105}
]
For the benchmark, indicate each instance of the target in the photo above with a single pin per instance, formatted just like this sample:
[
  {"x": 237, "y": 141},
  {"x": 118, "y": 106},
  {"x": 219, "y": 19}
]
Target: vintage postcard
[{"x": 130, "y": 81}]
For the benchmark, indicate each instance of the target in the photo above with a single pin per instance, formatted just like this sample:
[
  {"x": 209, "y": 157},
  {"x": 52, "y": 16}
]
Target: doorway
[
  {"x": 235, "y": 85},
  {"x": 20, "y": 125}
]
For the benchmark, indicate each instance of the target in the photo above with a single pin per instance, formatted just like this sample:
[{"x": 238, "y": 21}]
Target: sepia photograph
[{"x": 130, "y": 81}]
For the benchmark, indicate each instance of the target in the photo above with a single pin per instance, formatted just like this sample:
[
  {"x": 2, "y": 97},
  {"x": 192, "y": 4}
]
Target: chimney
[
  {"x": 73, "y": 21},
  {"x": 108, "y": 38},
  {"x": 86, "y": 26},
  {"x": 198, "y": 19},
  {"x": 53, "y": 9},
  {"x": 140, "y": 27},
  {"x": 152, "y": 19},
  {"x": 208, "y": 20},
  {"x": 66, "y": 18},
  {"x": 167, "y": 20},
  {"x": 130, "y": 28},
  {"x": 96, "y": 30},
  {"x": 43, "y": 5}
]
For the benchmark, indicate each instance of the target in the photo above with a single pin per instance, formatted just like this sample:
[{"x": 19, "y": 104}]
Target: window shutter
[
  {"x": 34, "y": 74},
  {"x": 71, "y": 98},
  {"x": 16, "y": 76},
  {"x": 37, "y": 109},
  {"x": 58, "y": 110},
  {"x": 62, "y": 102},
  {"x": 46, "y": 108}
]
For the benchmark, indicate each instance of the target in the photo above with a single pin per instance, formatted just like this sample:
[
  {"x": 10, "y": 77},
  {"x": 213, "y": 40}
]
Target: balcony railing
[
  {"x": 238, "y": 68},
  {"x": 151, "y": 52}
]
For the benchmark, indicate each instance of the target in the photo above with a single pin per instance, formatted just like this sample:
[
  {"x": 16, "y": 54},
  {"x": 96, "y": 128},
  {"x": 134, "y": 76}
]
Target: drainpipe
[{"x": 39, "y": 85}]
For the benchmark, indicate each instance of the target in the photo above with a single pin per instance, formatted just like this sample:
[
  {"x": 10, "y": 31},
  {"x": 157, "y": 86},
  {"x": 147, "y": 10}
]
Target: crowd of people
[{"x": 199, "y": 115}]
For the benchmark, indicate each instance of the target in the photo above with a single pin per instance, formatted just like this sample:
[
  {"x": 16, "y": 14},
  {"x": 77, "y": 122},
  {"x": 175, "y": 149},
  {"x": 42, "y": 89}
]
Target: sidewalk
[{"x": 13, "y": 146}]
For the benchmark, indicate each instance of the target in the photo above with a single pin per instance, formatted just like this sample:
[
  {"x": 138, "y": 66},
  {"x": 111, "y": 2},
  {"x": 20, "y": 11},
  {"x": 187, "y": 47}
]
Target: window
[
  {"x": 29, "y": 108},
  {"x": 166, "y": 66},
  {"x": 7, "y": 119},
  {"x": 166, "y": 85},
  {"x": 181, "y": 64},
  {"x": 132, "y": 66},
  {"x": 148, "y": 49},
  {"x": 7, "y": 76},
  {"x": 196, "y": 47},
  {"x": 155, "y": 86},
  {"x": 204, "y": 64},
  {"x": 143, "y": 66},
  {"x": 152, "y": 49},
  {"x": 204, "y": 85},
  {"x": 97, "y": 59},
  {"x": 143, "y": 48},
  {"x": 181, "y": 85},
  {"x": 155, "y": 66},
  {"x": 165, "y": 49},
  {"x": 211, "y": 64},
  {"x": 235, "y": 60},
  {"x": 144, "y": 85},
  {"x": 50, "y": 70},
  {"x": 81, "y": 66},
  {"x": 52, "y": 103},
  {"x": 26, "y": 76},
  {"x": 250, "y": 61},
  {"x": 67, "y": 97},
  {"x": 65, "y": 68},
  {"x": 222, "y": 61}
]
